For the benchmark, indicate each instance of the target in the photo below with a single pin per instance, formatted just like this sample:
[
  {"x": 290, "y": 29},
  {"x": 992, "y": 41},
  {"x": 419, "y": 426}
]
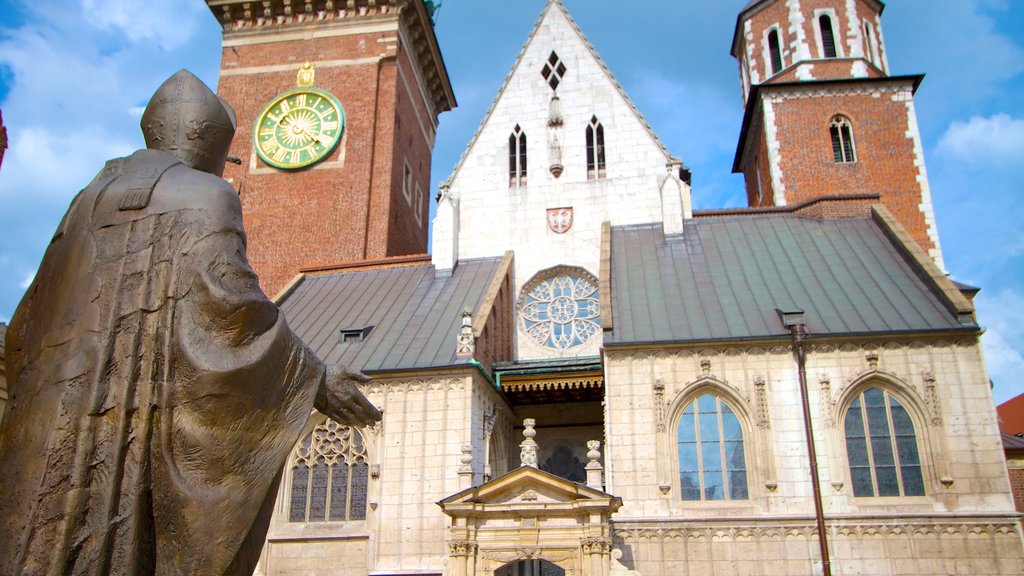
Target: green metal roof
[
  {"x": 724, "y": 278},
  {"x": 415, "y": 312}
]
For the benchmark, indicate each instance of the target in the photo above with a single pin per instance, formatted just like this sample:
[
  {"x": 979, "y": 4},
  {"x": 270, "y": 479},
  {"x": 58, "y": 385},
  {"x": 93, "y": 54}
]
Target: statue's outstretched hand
[{"x": 340, "y": 399}]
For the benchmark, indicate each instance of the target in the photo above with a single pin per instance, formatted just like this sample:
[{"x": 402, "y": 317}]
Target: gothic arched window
[
  {"x": 595, "y": 149},
  {"x": 842, "y": 140},
  {"x": 870, "y": 46},
  {"x": 560, "y": 309},
  {"x": 775, "y": 51},
  {"x": 517, "y": 157},
  {"x": 712, "y": 463},
  {"x": 828, "y": 38},
  {"x": 881, "y": 447},
  {"x": 329, "y": 476}
]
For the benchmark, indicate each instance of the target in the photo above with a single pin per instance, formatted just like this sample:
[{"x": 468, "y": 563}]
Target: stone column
[{"x": 594, "y": 468}]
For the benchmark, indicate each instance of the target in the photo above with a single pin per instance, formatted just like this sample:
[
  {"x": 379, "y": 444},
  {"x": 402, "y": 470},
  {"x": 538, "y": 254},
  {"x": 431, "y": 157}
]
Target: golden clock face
[{"x": 298, "y": 128}]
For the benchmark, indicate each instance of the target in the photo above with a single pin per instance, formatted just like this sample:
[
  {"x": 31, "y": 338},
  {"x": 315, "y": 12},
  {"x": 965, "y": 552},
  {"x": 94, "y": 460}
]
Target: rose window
[{"x": 560, "y": 310}]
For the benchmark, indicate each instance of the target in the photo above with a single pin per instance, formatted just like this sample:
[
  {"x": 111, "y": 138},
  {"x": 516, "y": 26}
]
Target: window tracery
[
  {"x": 710, "y": 447},
  {"x": 329, "y": 476},
  {"x": 517, "y": 157},
  {"x": 841, "y": 133},
  {"x": 881, "y": 446},
  {"x": 560, "y": 310}
]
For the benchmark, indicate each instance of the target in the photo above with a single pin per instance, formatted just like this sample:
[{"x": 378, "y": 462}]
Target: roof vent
[{"x": 350, "y": 335}]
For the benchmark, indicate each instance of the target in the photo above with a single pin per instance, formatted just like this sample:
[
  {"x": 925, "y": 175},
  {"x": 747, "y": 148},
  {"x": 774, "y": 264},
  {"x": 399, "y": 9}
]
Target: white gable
[{"x": 493, "y": 215}]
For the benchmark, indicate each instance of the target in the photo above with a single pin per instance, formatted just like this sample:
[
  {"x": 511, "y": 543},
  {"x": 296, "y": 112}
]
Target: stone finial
[
  {"x": 594, "y": 468},
  {"x": 466, "y": 346},
  {"x": 528, "y": 448}
]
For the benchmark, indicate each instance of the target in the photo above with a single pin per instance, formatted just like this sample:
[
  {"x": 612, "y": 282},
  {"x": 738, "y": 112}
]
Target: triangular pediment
[{"x": 528, "y": 487}]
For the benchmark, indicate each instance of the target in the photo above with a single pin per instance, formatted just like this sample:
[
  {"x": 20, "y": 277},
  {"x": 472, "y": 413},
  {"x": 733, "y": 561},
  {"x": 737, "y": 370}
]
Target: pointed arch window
[
  {"x": 841, "y": 132},
  {"x": 870, "y": 45},
  {"x": 329, "y": 476},
  {"x": 712, "y": 463},
  {"x": 775, "y": 51},
  {"x": 881, "y": 447},
  {"x": 828, "y": 38},
  {"x": 595, "y": 150},
  {"x": 517, "y": 157}
]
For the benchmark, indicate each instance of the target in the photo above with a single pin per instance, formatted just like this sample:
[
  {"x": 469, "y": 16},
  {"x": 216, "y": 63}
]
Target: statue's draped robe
[{"x": 155, "y": 392}]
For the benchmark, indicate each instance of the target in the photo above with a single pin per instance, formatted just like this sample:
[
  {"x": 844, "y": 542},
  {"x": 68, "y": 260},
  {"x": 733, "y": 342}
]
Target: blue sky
[{"x": 75, "y": 74}]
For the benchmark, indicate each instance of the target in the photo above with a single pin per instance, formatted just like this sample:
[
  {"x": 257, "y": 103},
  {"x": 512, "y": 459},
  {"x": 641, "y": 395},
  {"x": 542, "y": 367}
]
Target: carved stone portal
[{"x": 481, "y": 544}]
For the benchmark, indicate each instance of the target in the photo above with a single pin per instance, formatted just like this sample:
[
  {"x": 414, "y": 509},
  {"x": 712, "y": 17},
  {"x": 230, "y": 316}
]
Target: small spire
[{"x": 528, "y": 448}]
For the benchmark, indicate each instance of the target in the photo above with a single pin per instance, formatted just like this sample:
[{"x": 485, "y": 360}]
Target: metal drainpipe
[{"x": 795, "y": 322}]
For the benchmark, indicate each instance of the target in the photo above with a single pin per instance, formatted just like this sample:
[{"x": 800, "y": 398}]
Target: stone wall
[
  {"x": 413, "y": 455},
  {"x": 494, "y": 216},
  {"x": 965, "y": 520}
]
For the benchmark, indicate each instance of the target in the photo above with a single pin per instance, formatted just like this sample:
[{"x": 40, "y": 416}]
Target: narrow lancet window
[
  {"x": 842, "y": 140},
  {"x": 595, "y": 150},
  {"x": 517, "y": 157},
  {"x": 828, "y": 39},
  {"x": 775, "y": 51}
]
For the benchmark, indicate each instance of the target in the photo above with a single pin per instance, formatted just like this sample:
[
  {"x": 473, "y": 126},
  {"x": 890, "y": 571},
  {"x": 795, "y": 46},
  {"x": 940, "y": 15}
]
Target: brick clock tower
[
  {"x": 825, "y": 120},
  {"x": 337, "y": 105}
]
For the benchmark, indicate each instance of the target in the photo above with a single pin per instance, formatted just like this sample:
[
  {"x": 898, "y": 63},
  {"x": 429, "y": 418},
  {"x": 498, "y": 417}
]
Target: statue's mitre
[{"x": 185, "y": 118}]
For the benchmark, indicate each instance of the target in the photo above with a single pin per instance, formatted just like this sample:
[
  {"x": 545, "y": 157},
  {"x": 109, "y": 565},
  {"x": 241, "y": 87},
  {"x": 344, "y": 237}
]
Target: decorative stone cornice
[{"x": 245, "y": 16}]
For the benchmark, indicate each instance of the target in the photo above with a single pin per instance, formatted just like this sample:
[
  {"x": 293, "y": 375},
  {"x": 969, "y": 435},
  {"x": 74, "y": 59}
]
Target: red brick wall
[
  {"x": 1017, "y": 487},
  {"x": 885, "y": 155},
  {"x": 345, "y": 207}
]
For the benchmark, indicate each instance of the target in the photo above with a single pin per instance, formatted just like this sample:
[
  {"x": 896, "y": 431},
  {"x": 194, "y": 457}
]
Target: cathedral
[{"x": 581, "y": 374}]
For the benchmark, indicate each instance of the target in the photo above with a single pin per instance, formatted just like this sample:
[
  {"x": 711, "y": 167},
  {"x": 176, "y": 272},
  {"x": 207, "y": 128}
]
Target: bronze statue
[{"x": 155, "y": 392}]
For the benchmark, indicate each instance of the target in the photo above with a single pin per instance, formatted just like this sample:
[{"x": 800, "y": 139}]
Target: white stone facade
[
  {"x": 964, "y": 524},
  {"x": 493, "y": 216}
]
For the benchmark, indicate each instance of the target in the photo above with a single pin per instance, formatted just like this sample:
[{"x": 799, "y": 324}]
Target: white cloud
[
  {"x": 994, "y": 140},
  {"x": 1002, "y": 315},
  {"x": 77, "y": 78},
  {"x": 27, "y": 281},
  {"x": 160, "y": 21}
]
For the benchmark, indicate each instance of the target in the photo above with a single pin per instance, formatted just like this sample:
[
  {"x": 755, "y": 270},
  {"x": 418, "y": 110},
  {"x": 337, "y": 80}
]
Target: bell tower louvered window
[
  {"x": 595, "y": 150},
  {"x": 517, "y": 157},
  {"x": 775, "y": 51},
  {"x": 842, "y": 140},
  {"x": 828, "y": 39}
]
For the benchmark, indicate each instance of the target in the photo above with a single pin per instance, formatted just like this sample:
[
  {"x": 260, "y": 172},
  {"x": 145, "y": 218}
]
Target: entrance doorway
[{"x": 530, "y": 568}]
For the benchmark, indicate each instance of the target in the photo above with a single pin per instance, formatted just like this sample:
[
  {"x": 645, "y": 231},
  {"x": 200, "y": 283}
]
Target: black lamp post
[{"x": 794, "y": 321}]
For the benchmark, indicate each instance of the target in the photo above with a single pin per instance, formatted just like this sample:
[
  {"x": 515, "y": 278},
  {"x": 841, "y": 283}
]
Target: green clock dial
[{"x": 299, "y": 128}]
